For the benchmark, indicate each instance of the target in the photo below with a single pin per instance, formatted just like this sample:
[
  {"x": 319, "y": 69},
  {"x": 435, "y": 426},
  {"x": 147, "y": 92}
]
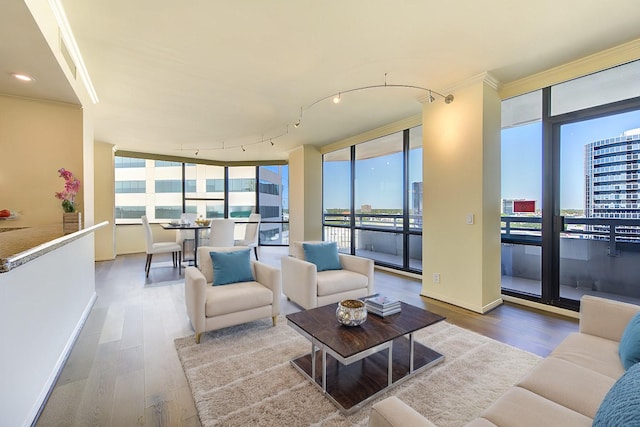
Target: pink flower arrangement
[{"x": 71, "y": 188}]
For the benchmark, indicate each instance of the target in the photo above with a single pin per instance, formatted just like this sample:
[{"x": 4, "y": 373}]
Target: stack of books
[{"x": 383, "y": 306}]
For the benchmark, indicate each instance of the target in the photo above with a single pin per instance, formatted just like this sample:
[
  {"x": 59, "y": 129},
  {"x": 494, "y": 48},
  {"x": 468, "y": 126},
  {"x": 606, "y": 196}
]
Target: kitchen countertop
[{"x": 23, "y": 244}]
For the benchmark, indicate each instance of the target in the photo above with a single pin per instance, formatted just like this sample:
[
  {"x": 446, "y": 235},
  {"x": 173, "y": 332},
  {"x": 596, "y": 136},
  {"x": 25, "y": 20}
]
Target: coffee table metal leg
[
  {"x": 411, "y": 348},
  {"x": 390, "y": 365},
  {"x": 313, "y": 360},
  {"x": 324, "y": 370}
]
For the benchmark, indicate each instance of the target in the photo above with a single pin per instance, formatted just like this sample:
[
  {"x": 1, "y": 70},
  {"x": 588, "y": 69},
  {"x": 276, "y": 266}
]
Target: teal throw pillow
[
  {"x": 629, "y": 348},
  {"x": 323, "y": 255},
  {"x": 621, "y": 405},
  {"x": 231, "y": 267}
]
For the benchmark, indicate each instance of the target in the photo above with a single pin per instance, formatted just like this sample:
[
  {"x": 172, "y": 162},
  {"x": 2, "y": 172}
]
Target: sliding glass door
[{"x": 599, "y": 212}]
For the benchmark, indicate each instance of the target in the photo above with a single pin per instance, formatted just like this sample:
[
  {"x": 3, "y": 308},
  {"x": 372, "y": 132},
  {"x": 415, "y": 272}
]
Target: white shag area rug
[{"x": 241, "y": 376}]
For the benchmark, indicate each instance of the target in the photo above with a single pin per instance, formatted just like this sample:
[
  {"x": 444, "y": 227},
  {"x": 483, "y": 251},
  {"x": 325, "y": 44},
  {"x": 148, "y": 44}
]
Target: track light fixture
[{"x": 337, "y": 98}]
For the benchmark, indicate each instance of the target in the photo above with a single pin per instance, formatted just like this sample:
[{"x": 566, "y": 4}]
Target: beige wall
[
  {"x": 461, "y": 178},
  {"x": 36, "y": 139},
  {"x": 305, "y": 194},
  {"x": 104, "y": 200}
]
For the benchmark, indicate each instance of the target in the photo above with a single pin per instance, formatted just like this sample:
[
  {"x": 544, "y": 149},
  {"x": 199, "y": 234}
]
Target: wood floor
[{"x": 124, "y": 370}]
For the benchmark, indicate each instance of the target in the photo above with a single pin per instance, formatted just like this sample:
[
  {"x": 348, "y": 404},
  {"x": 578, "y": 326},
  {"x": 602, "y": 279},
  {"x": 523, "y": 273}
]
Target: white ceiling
[{"x": 176, "y": 77}]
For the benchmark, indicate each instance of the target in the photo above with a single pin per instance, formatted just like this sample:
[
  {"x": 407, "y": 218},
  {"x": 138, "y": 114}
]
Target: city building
[
  {"x": 154, "y": 188},
  {"x": 611, "y": 177}
]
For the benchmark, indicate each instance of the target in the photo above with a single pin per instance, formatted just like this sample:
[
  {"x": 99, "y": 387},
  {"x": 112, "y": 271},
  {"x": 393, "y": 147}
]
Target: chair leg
[
  {"x": 147, "y": 266},
  {"x": 198, "y": 338},
  {"x": 255, "y": 250},
  {"x": 274, "y": 318}
]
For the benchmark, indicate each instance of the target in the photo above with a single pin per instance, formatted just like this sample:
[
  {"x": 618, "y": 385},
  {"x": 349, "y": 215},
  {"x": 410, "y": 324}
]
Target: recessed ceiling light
[{"x": 23, "y": 77}]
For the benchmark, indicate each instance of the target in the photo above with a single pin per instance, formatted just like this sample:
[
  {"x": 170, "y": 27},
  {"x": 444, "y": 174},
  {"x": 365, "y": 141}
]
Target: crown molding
[
  {"x": 485, "y": 77},
  {"x": 590, "y": 64}
]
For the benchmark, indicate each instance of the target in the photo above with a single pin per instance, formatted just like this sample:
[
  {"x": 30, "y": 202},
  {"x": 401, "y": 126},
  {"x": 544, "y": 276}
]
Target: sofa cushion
[
  {"x": 629, "y": 348},
  {"x": 334, "y": 281},
  {"x": 231, "y": 267},
  {"x": 621, "y": 405},
  {"x": 392, "y": 412},
  {"x": 523, "y": 408},
  {"x": 591, "y": 352},
  {"x": 570, "y": 385},
  {"x": 323, "y": 255},
  {"x": 236, "y": 297}
]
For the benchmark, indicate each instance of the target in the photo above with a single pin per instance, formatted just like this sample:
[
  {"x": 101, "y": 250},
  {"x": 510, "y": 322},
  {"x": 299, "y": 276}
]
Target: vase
[
  {"x": 351, "y": 312},
  {"x": 71, "y": 222}
]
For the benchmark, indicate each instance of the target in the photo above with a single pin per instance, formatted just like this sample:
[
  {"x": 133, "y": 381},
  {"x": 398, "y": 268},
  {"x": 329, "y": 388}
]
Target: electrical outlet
[{"x": 436, "y": 277}]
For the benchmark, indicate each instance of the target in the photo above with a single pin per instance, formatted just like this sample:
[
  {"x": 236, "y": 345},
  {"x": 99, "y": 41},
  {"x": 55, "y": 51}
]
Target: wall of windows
[
  {"x": 372, "y": 199},
  {"x": 570, "y": 222},
  {"x": 156, "y": 188}
]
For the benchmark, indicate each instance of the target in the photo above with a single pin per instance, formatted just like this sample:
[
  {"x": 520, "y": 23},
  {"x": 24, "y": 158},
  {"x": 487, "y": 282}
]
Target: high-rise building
[
  {"x": 154, "y": 188},
  {"x": 611, "y": 177}
]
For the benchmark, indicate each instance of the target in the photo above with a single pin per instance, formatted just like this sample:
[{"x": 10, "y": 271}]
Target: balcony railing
[
  {"x": 598, "y": 256},
  {"x": 378, "y": 236}
]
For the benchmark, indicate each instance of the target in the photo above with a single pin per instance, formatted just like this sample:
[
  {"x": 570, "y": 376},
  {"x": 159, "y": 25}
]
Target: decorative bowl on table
[
  {"x": 202, "y": 221},
  {"x": 351, "y": 312}
]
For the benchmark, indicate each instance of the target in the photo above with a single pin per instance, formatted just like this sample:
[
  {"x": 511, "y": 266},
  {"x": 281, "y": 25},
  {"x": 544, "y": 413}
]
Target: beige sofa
[
  {"x": 304, "y": 285},
  {"x": 215, "y": 307},
  {"x": 565, "y": 389}
]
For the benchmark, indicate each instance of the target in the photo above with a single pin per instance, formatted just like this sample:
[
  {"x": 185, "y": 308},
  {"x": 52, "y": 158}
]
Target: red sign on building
[{"x": 524, "y": 206}]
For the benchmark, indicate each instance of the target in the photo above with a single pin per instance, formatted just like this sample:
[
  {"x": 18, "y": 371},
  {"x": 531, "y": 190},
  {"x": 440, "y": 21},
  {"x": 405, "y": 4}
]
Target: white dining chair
[
  {"x": 159, "y": 247},
  {"x": 221, "y": 234},
  {"x": 251, "y": 234}
]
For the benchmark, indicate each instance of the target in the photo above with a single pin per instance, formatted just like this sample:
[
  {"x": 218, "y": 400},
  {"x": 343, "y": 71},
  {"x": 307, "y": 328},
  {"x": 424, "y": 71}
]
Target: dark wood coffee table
[{"x": 357, "y": 363}]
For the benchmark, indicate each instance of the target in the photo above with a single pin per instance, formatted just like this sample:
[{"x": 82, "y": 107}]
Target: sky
[
  {"x": 371, "y": 189},
  {"x": 522, "y": 157}
]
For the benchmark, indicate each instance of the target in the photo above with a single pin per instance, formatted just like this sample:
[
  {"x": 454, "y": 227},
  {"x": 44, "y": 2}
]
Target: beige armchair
[
  {"x": 304, "y": 285},
  {"x": 216, "y": 307}
]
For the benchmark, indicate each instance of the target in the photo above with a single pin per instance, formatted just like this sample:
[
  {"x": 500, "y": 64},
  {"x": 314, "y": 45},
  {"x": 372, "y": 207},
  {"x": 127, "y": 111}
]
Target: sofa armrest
[
  {"x": 392, "y": 412},
  {"x": 605, "y": 318},
  {"x": 195, "y": 296},
  {"x": 300, "y": 281},
  {"x": 271, "y": 278},
  {"x": 359, "y": 265}
]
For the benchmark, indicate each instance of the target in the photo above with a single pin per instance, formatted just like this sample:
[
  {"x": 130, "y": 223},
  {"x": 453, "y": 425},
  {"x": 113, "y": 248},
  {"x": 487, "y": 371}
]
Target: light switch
[{"x": 470, "y": 219}]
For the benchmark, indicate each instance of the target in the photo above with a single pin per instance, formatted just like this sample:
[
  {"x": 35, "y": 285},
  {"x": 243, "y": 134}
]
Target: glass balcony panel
[
  {"x": 415, "y": 252},
  {"x": 521, "y": 268},
  {"x": 380, "y": 246}
]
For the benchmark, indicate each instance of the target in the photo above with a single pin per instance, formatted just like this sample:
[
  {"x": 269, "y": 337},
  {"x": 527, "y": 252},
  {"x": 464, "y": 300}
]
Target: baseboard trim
[
  {"x": 64, "y": 356},
  {"x": 477, "y": 309},
  {"x": 542, "y": 307}
]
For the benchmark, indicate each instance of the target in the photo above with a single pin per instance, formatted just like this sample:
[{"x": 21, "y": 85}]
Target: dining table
[{"x": 197, "y": 228}]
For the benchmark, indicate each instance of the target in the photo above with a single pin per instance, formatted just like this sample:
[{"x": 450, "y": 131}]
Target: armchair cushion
[
  {"x": 337, "y": 281},
  {"x": 324, "y": 255},
  {"x": 231, "y": 267},
  {"x": 236, "y": 298}
]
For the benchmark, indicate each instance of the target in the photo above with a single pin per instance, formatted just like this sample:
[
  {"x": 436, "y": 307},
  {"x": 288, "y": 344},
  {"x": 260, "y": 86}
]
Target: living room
[{"x": 462, "y": 155}]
